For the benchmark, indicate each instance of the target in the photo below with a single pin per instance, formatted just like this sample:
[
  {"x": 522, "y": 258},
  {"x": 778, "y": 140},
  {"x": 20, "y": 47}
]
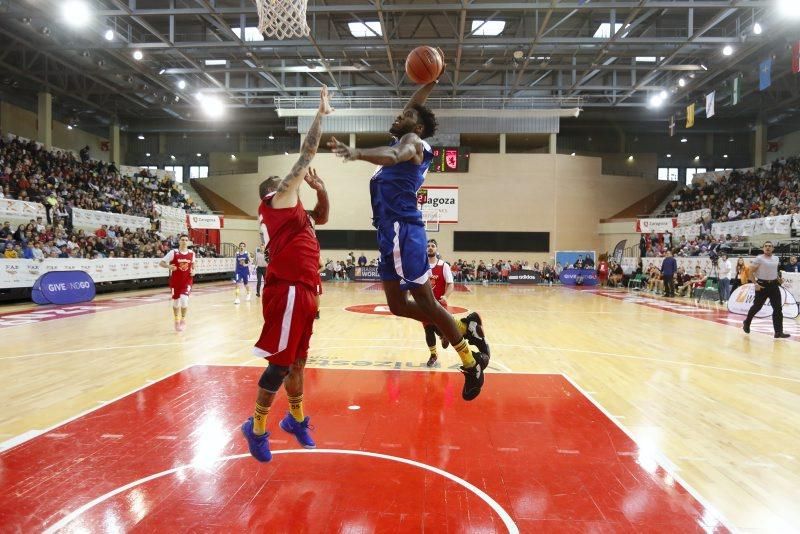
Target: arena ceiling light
[
  {"x": 681, "y": 82},
  {"x": 684, "y": 140},
  {"x": 488, "y": 28},
  {"x": 140, "y": 137},
  {"x": 789, "y": 8},
  {"x": 137, "y": 55},
  {"x": 656, "y": 101},
  {"x": 371, "y": 28},
  {"x": 604, "y": 30},
  {"x": 182, "y": 84},
  {"x": 271, "y": 137},
  {"x": 251, "y": 33},
  {"x": 727, "y": 51},
  {"x": 212, "y": 106},
  {"x": 669, "y": 155},
  {"x": 147, "y": 154},
  {"x": 757, "y": 29},
  {"x": 76, "y": 13},
  {"x": 212, "y": 62},
  {"x": 109, "y": 35}
]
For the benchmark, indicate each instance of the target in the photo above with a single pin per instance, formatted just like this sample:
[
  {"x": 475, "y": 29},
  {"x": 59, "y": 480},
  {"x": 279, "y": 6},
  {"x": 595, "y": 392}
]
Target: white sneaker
[
  {"x": 247, "y": 298},
  {"x": 236, "y": 301}
]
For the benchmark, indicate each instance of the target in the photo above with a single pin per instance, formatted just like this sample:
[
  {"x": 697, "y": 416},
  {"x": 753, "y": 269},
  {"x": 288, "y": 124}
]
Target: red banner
[{"x": 796, "y": 58}]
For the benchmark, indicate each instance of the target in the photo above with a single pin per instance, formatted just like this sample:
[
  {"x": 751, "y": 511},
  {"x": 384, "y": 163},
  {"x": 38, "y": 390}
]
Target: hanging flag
[
  {"x": 796, "y": 58},
  {"x": 672, "y": 126},
  {"x": 737, "y": 90},
  {"x": 765, "y": 74},
  {"x": 710, "y": 104},
  {"x": 690, "y": 116}
]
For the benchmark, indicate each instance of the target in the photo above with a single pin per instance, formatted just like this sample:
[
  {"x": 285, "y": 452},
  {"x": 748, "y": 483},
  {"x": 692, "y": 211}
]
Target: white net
[
  {"x": 431, "y": 219},
  {"x": 282, "y": 19}
]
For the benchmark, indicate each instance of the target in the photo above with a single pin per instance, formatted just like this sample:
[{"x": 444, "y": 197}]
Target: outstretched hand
[
  {"x": 341, "y": 149},
  {"x": 314, "y": 181},
  {"x": 325, "y": 107}
]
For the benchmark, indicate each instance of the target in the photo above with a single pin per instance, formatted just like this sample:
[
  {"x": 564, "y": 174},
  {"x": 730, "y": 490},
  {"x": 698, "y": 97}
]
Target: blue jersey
[
  {"x": 393, "y": 190},
  {"x": 242, "y": 261}
]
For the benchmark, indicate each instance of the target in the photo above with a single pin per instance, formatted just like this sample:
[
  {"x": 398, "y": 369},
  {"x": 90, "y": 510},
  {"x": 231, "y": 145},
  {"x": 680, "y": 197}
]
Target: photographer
[{"x": 764, "y": 273}]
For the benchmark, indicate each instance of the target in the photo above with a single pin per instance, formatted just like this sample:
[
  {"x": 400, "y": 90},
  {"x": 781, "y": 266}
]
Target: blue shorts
[
  {"x": 242, "y": 276},
  {"x": 403, "y": 254}
]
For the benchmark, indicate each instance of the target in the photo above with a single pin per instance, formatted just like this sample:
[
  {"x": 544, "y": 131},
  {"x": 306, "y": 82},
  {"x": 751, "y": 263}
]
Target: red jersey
[
  {"x": 440, "y": 277},
  {"x": 184, "y": 262},
  {"x": 291, "y": 242}
]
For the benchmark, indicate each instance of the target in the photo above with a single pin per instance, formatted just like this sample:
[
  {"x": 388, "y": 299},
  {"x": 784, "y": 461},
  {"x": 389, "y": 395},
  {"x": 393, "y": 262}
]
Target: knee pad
[
  {"x": 184, "y": 300},
  {"x": 272, "y": 378}
]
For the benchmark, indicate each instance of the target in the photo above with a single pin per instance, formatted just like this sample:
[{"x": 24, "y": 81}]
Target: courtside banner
[
  {"x": 578, "y": 277},
  {"x": 441, "y": 198},
  {"x": 742, "y": 299},
  {"x": 24, "y": 273},
  {"x": 691, "y": 217},
  {"x": 92, "y": 220},
  {"x": 366, "y": 274},
  {"x": 204, "y": 222},
  {"x": 19, "y": 209},
  {"x": 659, "y": 226},
  {"x": 524, "y": 276},
  {"x": 63, "y": 287}
]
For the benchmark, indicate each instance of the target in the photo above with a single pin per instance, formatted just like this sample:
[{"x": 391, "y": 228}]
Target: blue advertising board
[
  {"x": 578, "y": 277},
  {"x": 63, "y": 287}
]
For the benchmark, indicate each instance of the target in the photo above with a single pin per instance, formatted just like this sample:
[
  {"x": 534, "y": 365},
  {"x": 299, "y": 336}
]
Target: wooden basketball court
[{"x": 603, "y": 411}]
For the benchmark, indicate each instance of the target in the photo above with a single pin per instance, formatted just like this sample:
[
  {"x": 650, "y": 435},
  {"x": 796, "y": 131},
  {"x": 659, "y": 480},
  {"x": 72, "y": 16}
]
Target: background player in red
[
  {"x": 442, "y": 285},
  {"x": 290, "y": 293},
  {"x": 180, "y": 263}
]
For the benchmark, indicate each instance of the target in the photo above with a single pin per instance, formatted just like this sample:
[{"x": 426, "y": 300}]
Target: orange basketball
[{"x": 424, "y": 64}]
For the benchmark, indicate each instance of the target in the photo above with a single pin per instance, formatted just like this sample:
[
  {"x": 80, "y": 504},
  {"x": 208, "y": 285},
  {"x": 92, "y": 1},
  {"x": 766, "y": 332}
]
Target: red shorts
[
  {"x": 289, "y": 311},
  {"x": 180, "y": 289}
]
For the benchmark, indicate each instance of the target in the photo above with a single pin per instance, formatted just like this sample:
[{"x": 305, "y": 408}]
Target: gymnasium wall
[
  {"x": 21, "y": 122},
  {"x": 789, "y": 146},
  {"x": 563, "y": 195}
]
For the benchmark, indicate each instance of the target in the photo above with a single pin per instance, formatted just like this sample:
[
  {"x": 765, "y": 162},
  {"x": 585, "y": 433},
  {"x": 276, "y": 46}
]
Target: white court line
[
  {"x": 504, "y": 516},
  {"x": 13, "y": 442},
  {"x": 660, "y": 459},
  {"x": 92, "y": 349}
]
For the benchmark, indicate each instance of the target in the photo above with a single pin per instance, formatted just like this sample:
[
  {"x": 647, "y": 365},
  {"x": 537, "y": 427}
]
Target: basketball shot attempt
[
  {"x": 289, "y": 298},
  {"x": 180, "y": 263},
  {"x": 403, "y": 264}
]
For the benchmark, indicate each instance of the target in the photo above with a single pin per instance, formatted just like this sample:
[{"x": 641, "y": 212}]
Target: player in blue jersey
[
  {"x": 403, "y": 264},
  {"x": 242, "y": 273}
]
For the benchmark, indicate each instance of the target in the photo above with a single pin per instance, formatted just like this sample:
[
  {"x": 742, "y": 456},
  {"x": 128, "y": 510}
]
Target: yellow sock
[
  {"x": 184, "y": 311},
  {"x": 462, "y": 327},
  {"x": 175, "y": 313},
  {"x": 237, "y": 292},
  {"x": 433, "y": 350},
  {"x": 465, "y": 353},
  {"x": 260, "y": 419},
  {"x": 296, "y": 407}
]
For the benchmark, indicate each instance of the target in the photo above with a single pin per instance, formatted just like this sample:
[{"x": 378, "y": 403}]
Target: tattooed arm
[{"x": 286, "y": 195}]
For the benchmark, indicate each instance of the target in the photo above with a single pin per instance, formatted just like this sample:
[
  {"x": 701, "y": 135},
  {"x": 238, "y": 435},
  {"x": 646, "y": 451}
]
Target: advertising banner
[
  {"x": 367, "y": 274},
  {"x": 578, "y": 277},
  {"x": 691, "y": 231},
  {"x": 742, "y": 299},
  {"x": 524, "y": 276},
  {"x": 18, "y": 209},
  {"x": 780, "y": 224},
  {"x": 204, "y": 221},
  {"x": 659, "y": 226},
  {"x": 92, "y": 220},
  {"x": 619, "y": 250},
  {"x": 168, "y": 212},
  {"x": 63, "y": 287},
  {"x": 441, "y": 198},
  {"x": 692, "y": 217},
  {"x": 24, "y": 273}
]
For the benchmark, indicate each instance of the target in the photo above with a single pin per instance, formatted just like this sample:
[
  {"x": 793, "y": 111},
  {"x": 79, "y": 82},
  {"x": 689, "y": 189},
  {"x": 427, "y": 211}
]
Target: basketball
[{"x": 424, "y": 64}]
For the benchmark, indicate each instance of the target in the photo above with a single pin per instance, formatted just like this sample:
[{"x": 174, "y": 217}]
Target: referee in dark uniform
[{"x": 764, "y": 272}]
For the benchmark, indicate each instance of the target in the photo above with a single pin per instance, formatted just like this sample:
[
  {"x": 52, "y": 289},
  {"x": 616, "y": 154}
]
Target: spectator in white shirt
[{"x": 725, "y": 270}]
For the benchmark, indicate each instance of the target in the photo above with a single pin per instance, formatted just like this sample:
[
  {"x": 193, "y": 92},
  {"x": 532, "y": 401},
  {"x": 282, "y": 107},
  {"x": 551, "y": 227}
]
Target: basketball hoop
[
  {"x": 431, "y": 219},
  {"x": 282, "y": 19}
]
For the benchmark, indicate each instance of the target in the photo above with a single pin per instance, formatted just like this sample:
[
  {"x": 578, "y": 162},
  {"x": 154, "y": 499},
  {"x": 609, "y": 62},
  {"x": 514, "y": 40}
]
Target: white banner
[
  {"x": 791, "y": 281},
  {"x": 168, "y": 212},
  {"x": 691, "y": 217},
  {"x": 19, "y": 209},
  {"x": 692, "y": 231},
  {"x": 659, "y": 226},
  {"x": 441, "y": 198},
  {"x": 169, "y": 227},
  {"x": 750, "y": 227},
  {"x": 208, "y": 222},
  {"x": 92, "y": 220},
  {"x": 689, "y": 264},
  {"x": 796, "y": 221},
  {"x": 23, "y": 273},
  {"x": 742, "y": 299}
]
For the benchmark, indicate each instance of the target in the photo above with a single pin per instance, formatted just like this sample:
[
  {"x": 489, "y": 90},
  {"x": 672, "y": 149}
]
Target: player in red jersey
[
  {"x": 442, "y": 285},
  {"x": 180, "y": 263},
  {"x": 290, "y": 293}
]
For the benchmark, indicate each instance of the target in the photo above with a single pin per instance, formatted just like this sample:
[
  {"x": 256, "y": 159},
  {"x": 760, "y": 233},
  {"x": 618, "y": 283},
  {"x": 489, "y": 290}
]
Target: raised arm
[
  {"x": 421, "y": 95},
  {"x": 322, "y": 209},
  {"x": 286, "y": 194},
  {"x": 409, "y": 148}
]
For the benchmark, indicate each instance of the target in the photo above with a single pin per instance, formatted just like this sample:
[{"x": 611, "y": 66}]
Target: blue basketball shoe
[
  {"x": 258, "y": 445},
  {"x": 300, "y": 430}
]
